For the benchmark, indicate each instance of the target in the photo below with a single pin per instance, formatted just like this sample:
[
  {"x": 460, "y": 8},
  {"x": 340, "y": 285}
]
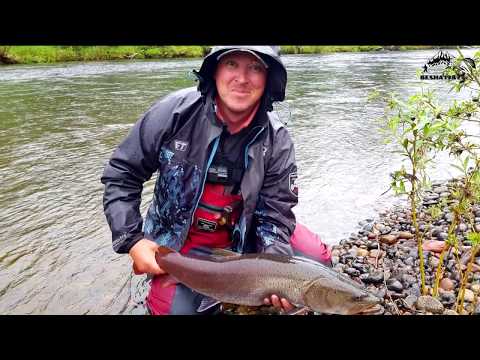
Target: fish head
[
  {"x": 337, "y": 296},
  {"x": 363, "y": 303}
]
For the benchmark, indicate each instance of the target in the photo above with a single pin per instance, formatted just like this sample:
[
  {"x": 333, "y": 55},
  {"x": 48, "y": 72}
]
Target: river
[{"x": 60, "y": 123}]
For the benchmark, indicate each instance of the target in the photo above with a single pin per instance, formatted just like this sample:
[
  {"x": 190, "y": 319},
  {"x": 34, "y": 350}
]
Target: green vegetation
[
  {"x": 422, "y": 127},
  {"x": 51, "y": 54}
]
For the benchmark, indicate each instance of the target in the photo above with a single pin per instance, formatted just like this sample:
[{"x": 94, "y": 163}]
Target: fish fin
[
  {"x": 207, "y": 303},
  {"x": 214, "y": 252},
  {"x": 298, "y": 310},
  {"x": 224, "y": 252}
]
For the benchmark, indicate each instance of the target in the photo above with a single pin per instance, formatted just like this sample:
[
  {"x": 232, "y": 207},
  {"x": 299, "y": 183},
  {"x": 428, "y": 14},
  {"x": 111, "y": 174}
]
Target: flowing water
[{"x": 60, "y": 123}]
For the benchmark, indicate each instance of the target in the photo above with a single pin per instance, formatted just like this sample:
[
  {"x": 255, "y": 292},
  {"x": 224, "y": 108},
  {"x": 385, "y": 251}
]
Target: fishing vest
[{"x": 220, "y": 204}]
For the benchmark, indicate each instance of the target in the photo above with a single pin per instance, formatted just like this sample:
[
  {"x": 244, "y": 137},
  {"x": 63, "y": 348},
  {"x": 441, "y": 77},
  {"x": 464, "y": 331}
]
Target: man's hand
[
  {"x": 143, "y": 256},
  {"x": 281, "y": 304}
]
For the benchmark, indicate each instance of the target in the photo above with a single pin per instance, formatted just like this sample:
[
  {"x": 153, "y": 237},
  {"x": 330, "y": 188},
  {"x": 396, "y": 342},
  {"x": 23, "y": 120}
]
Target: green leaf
[{"x": 474, "y": 238}]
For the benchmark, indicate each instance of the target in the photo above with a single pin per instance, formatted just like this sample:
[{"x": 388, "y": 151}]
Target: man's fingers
[
  {"x": 150, "y": 268},
  {"x": 266, "y": 301},
  {"x": 276, "y": 301},
  {"x": 286, "y": 305}
]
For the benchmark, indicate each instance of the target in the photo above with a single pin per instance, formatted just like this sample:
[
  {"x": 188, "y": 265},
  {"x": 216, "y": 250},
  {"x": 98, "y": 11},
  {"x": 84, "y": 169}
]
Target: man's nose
[{"x": 242, "y": 76}]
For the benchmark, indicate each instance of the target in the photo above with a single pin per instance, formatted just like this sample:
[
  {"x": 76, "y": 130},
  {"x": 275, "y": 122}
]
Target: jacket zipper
[
  {"x": 242, "y": 235},
  {"x": 250, "y": 143},
  {"x": 210, "y": 159}
]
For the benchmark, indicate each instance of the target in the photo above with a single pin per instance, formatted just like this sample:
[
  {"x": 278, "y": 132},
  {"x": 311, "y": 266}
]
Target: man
[{"x": 226, "y": 172}]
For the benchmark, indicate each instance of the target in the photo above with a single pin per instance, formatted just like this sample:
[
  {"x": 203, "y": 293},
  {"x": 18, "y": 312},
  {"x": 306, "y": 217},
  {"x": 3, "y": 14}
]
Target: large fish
[{"x": 248, "y": 279}]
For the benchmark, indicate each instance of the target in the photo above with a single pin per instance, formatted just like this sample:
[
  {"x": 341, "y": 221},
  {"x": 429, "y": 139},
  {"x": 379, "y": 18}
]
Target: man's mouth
[{"x": 240, "y": 92}]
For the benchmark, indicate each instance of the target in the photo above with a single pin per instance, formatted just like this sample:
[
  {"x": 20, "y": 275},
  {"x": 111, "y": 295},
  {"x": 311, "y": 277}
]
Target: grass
[{"x": 52, "y": 54}]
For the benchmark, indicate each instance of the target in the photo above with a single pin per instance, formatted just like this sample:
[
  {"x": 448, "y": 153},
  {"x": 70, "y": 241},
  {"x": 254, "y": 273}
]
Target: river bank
[
  {"x": 53, "y": 54},
  {"x": 383, "y": 257}
]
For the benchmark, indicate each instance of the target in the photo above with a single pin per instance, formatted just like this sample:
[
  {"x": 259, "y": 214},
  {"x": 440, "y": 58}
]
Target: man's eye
[
  {"x": 230, "y": 63},
  {"x": 256, "y": 68}
]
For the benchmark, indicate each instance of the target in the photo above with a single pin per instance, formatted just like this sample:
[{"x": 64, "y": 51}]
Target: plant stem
[
  {"x": 414, "y": 214},
  {"x": 461, "y": 293}
]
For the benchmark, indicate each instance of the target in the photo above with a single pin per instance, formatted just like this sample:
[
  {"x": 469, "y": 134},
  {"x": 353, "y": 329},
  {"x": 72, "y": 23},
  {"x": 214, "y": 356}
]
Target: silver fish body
[{"x": 248, "y": 279}]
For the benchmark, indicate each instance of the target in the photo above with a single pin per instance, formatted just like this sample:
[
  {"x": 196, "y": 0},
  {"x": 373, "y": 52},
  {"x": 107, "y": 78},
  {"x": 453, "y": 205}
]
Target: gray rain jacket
[{"x": 178, "y": 137}]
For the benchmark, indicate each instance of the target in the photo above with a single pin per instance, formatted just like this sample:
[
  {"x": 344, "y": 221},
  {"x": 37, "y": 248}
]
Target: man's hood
[{"x": 277, "y": 73}]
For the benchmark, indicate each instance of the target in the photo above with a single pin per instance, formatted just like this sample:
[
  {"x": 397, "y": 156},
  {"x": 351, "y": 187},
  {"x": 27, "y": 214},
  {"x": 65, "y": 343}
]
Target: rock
[
  {"x": 437, "y": 230},
  {"x": 362, "y": 252},
  {"x": 430, "y": 304},
  {"x": 345, "y": 258},
  {"x": 477, "y": 310},
  {"x": 449, "y": 312},
  {"x": 335, "y": 260},
  {"x": 475, "y": 288},
  {"x": 410, "y": 301},
  {"x": 469, "y": 296},
  {"x": 360, "y": 267},
  {"x": 447, "y": 284},
  {"x": 477, "y": 227},
  {"x": 394, "y": 285},
  {"x": 368, "y": 228},
  {"x": 409, "y": 261},
  {"x": 386, "y": 230},
  {"x": 444, "y": 194},
  {"x": 431, "y": 197},
  {"x": 381, "y": 293},
  {"x": 373, "y": 278},
  {"x": 440, "y": 189},
  {"x": 433, "y": 262},
  {"x": 442, "y": 236},
  {"x": 371, "y": 235},
  {"x": 375, "y": 252},
  {"x": 475, "y": 268},
  {"x": 388, "y": 239},
  {"x": 408, "y": 280},
  {"x": 352, "y": 271},
  {"x": 339, "y": 268},
  {"x": 415, "y": 290},
  {"x": 448, "y": 298},
  {"x": 405, "y": 235},
  {"x": 448, "y": 217},
  {"x": 462, "y": 227},
  {"x": 433, "y": 245},
  {"x": 353, "y": 252},
  {"x": 335, "y": 252}
]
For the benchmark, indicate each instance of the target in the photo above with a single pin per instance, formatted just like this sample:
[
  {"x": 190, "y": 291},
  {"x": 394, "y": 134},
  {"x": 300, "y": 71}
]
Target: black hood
[{"x": 277, "y": 73}]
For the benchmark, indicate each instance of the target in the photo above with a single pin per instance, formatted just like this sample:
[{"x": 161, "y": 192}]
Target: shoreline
[
  {"x": 382, "y": 256},
  {"x": 10, "y": 55}
]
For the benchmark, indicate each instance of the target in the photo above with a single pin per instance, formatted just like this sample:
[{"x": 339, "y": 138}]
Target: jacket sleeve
[
  {"x": 132, "y": 164},
  {"x": 275, "y": 220}
]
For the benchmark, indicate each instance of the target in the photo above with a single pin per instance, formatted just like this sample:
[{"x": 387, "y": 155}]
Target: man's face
[{"x": 240, "y": 78}]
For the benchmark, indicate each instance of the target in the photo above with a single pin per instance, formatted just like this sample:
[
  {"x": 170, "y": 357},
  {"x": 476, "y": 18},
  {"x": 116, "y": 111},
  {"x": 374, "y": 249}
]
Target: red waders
[{"x": 215, "y": 213}]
